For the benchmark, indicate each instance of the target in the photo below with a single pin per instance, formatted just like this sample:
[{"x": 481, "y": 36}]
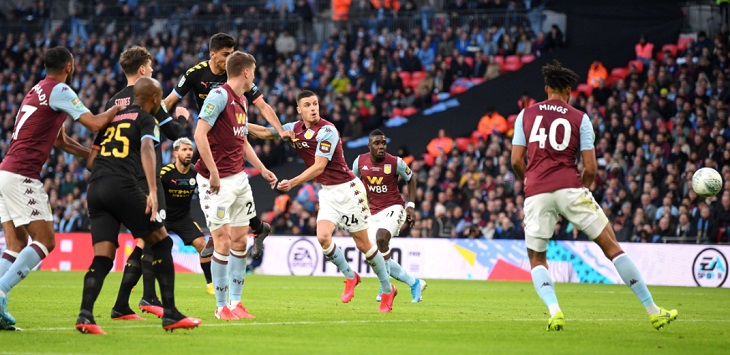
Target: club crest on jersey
[
  {"x": 182, "y": 82},
  {"x": 192, "y": 181},
  {"x": 387, "y": 168},
  {"x": 309, "y": 134},
  {"x": 220, "y": 212},
  {"x": 325, "y": 147}
]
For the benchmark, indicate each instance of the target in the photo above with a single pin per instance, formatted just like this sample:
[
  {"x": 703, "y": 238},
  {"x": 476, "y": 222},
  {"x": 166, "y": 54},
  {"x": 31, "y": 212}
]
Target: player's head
[
  {"x": 136, "y": 61},
  {"x": 308, "y": 106},
  {"x": 377, "y": 144},
  {"x": 59, "y": 61},
  {"x": 148, "y": 94},
  {"x": 240, "y": 64},
  {"x": 221, "y": 46},
  {"x": 559, "y": 80},
  {"x": 182, "y": 149}
]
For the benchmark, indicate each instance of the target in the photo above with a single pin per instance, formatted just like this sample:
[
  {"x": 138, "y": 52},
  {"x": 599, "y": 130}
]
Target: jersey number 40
[{"x": 537, "y": 134}]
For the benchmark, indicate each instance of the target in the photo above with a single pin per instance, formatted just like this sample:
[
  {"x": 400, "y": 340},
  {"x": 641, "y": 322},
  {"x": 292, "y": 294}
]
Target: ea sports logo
[
  {"x": 710, "y": 268},
  {"x": 303, "y": 258}
]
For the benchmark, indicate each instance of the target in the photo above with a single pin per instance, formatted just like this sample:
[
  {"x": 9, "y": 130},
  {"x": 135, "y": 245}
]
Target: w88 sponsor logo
[{"x": 378, "y": 188}]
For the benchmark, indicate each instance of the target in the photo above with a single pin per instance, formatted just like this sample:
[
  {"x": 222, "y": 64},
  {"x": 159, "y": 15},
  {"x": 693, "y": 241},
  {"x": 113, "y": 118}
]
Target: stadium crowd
[{"x": 653, "y": 127}]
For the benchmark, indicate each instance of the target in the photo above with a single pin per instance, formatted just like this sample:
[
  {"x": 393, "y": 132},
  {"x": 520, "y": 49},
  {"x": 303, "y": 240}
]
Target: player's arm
[
  {"x": 407, "y": 174},
  {"x": 213, "y": 105},
  {"x": 182, "y": 88},
  {"x": 256, "y": 97},
  {"x": 64, "y": 99},
  {"x": 95, "y": 147},
  {"x": 327, "y": 140},
  {"x": 251, "y": 156},
  {"x": 588, "y": 152},
  {"x": 262, "y": 132},
  {"x": 68, "y": 145},
  {"x": 172, "y": 127},
  {"x": 356, "y": 168},
  {"x": 150, "y": 137},
  {"x": 519, "y": 148}
]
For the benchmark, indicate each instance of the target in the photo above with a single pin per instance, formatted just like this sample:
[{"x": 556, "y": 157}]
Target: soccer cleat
[
  {"x": 240, "y": 311},
  {"x": 175, "y": 320},
  {"x": 127, "y": 314},
  {"x": 349, "y": 291},
  {"x": 210, "y": 289},
  {"x": 258, "y": 240},
  {"x": 386, "y": 302},
  {"x": 556, "y": 322},
  {"x": 5, "y": 316},
  {"x": 87, "y": 325},
  {"x": 207, "y": 252},
  {"x": 663, "y": 318},
  {"x": 225, "y": 313},
  {"x": 417, "y": 290},
  {"x": 380, "y": 294},
  {"x": 5, "y": 326},
  {"x": 151, "y": 306}
]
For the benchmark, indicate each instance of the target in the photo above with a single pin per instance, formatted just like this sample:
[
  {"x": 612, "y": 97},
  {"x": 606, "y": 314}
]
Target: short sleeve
[
  {"x": 519, "y": 134},
  {"x": 162, "y": 115},
  {"x": 327, "y": 140},
  {"x": 587, "y": 137},
  {"x": 286, "y": 127},
  {"x": 213, "y": 105},
  {"x": 63, "y": 98},
  {"x": 253, "y": 94},
  {"x": 403, "y": 170},
  {"x": 185, "y": 83},
  {"x": 148, "y": 128},
  {"x": 355, "y": 168}
]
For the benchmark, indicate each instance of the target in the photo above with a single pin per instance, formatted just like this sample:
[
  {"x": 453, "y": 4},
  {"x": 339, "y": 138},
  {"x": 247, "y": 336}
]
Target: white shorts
[
  {"x": 390, "y": 219},
  {"x": 233, "y": 204},
  {"x": 23, "y": 200},
  {"x": 345, "y": 205},
  {"x": 575, "y": 204}
]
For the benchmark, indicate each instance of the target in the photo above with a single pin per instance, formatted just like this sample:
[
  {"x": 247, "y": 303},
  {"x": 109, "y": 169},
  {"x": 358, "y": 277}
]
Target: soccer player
[
  {"x": 115, "y": 198},
  {"x": 208, "y": 75},
  {"x": 136, "y": 63},
  {"x": 40, "y": 117},
  {"x": 225, "y": 194},
  {"x": 553, "y": 185},
  {"x": 178, "y": 180},
  {"x": 379, "y": 172},
  {"x": 343, "y": 200}
]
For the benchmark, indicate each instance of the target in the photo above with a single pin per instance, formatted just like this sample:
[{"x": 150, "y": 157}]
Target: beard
[
  {"x": 69, "y": 79},
  {"x": 186, "y": 162}
]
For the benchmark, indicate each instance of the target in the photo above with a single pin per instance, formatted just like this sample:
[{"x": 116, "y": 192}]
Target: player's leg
[
  {"x": 104, "y": 250},
  {"x": 260, "y": 231},
  {"x": 241, "y": 211},
  {"x": 130, "y": 277},
  {"x": 389, "y": 222},
  {"x": 15, "y": 240},
  {"x": 191, "y": 234},
  {"x": 149, "y": 302},
  {"x": 327, "y": 220},
  {"x": 540, "y": 220}
]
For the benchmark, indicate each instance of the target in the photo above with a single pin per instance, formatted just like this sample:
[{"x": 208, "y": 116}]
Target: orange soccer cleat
[
  {"x": 349, "y": 291},
  {"x": 386, "y": 301}
]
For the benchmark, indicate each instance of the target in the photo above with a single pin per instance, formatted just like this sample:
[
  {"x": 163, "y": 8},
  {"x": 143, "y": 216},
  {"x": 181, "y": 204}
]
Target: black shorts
[
  {"x": 185, "y": 228},
  {"x": 161, "y": 206},
  {"x": 115, "y": 200}
]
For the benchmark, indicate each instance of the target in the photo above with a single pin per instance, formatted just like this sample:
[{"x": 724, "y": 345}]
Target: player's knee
[
  {"x": 324, "y": 240},
  {"x": 382, "y": 238},
  {"x": 199, "y": 244}
]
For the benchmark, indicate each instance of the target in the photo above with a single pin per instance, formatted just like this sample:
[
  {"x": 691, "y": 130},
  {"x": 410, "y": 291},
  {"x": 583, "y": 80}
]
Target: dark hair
[
  {"x": 559, "y": 78},
  {"x": 238, "y": 61},
  {"x": 56, "y": 59},
  {"x": 376, "y": 133},
  {"x": 305, "y": 94},
  {"x": 133, "y": 58},
  {"x": 221, "y": 40}
]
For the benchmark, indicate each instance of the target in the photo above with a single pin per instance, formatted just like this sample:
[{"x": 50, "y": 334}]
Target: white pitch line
[{"x": 255, "y": 324}]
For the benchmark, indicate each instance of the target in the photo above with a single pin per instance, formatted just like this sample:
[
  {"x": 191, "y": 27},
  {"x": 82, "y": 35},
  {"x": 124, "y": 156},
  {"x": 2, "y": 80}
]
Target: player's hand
[
  {"x": 182, "y": 111},
  {"x": 270, "y": 177},
  {"x": 288, "y": 135},
  {"x": 151, "y": 207},
  {"x": 410, "y": 216},
  {"x": 215, "y": 182},
  {"x": 284, "y": 185}
]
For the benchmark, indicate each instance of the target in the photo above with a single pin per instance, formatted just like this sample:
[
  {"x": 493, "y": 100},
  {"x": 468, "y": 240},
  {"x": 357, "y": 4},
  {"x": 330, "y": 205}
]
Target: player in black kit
[
  {"x": 178, "y": 181},
  {"x": 115, "y": 198},
  {"x": 136, "y": 62},
  {"x": 206, "y": 76}
]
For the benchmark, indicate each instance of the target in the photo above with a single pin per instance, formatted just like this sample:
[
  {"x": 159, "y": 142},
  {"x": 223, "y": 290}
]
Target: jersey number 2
[
  {"x": 116, "y": 134},
  {"x": 537, "y": 134}
]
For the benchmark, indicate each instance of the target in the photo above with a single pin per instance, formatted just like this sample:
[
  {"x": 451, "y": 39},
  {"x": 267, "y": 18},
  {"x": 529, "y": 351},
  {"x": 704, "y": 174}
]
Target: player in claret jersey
[
  {"x": 342, "y": 200},
  {"x": 379, "y": 172},
  {"x": 23, "y": 200},
  {"x": 558, "y": 133}
]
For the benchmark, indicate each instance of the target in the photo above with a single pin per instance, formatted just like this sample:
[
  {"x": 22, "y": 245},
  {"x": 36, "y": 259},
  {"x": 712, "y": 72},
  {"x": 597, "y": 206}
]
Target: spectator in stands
[
  {"x": 644, "y": 50},
  {"x": 597, "y": 74},
  {"x": 442, "y": 144},
  {"x": 492, "y": 122},
  {"x": 554, "y": 38},
  {"x": 524, "y": 45},
  {"x": 493, "y": 69},
  {"x": 443, "y": 225}
]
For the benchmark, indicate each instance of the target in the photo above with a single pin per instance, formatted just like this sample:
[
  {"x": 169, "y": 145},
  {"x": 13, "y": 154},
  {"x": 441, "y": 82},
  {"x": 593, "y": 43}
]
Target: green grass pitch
[{"x": 304, "y": 315}]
